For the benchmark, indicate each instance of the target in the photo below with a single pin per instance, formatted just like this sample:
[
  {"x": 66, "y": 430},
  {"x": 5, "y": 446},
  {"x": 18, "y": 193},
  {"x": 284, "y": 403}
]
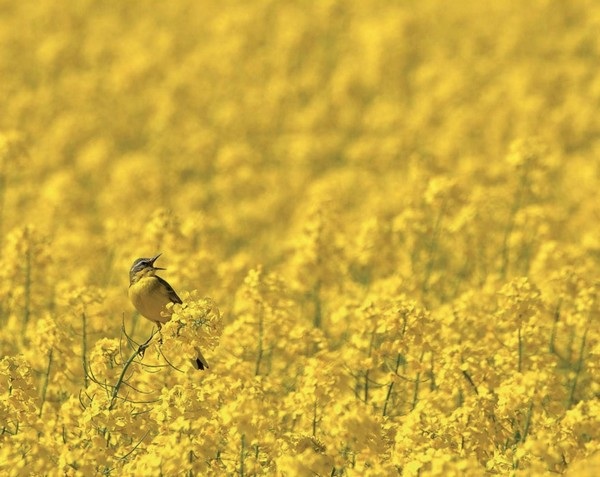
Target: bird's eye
[{"x": 142, "y": 264}]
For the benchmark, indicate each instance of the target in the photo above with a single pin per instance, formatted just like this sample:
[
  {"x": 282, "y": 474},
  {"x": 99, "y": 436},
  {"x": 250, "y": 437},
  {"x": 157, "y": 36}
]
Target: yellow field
[{"x": 383, "y": 217}]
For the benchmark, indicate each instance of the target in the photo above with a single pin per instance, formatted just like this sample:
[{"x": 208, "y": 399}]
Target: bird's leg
[
  {"x": 143, "y": 346},
  {"x": 159, "y": 332}
]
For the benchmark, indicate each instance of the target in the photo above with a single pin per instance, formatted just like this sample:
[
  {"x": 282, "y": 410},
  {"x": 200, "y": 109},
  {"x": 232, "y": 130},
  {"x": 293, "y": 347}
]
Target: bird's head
[{"x": 143, "y": 267}]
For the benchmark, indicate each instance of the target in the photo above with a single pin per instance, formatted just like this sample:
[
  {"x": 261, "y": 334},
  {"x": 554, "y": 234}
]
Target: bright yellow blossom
[{"x": 382, "y": 218}]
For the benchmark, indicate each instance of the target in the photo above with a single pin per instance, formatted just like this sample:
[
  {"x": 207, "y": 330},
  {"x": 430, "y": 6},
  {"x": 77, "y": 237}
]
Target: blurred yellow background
[{"x": 393, "y": 204}]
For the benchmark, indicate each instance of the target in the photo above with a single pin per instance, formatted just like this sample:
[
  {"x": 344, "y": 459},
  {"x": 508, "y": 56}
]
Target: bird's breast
[{"x": 149, "y": 299}]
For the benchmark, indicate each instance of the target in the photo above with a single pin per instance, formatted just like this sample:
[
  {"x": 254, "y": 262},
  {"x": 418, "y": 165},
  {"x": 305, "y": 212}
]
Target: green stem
[
  {"x": 242, "y": 457},
  {"x": 417, "y": 382},
  {"x": 516, "y": 205},
  {"x": 431, "y": 249},
  {"x": 46, "y": 380},
  {"x": 27, "y": 291},
  {"x": 260, "y": 342},
  {"x": 552, "y": 347},
  {"x": 318, "y": 308},
  {"x": 527, "y": 421},
  {"x": 115, "y": 391},
  {"x": 3, "y": 183},
  {"x": 415, "y": 392},
  {"x": 470, "y": 381},
  {"x": 520, "y": 365},
  {"x": 366, "y": 387},
  {"x": 314, "y": 423},
  {"x": 84, "y": 351},
  {"x": 578, "y": 369},
  {"x": 391, "y": 385},
  {"x": 432, "y": 385}
]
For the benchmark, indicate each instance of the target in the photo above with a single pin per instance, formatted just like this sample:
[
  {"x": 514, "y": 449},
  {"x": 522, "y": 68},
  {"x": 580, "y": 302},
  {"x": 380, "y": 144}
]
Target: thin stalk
[
  {"x": 46, "y": 380},
  {"x": 551, "y": 346},
  {"x": 578, "y": 369},
  {"x": 415, "y": 392},
  {"x": 391, "y": 385},
  {"x": 134, "y": 447},
  {"x": 242, "y": 457},
  {"x": 3, "y": 183},
  {"x": 433, "y": 384},
  {"x": 527, "y": 422},
  {"x": 470, "y": 381},
  {"x": 115, "y": 391},
  {"x": 84, "y": 351},
  {"x": 523, "y": 437},
  {"x": 260, "y": 342},
  {"x": 417, "y": 382},
  {"x": 27, "y": 291},
  {"x": 516, "y": 205},
  {"x": 318, "y": 318},
  {"x": 191, "y": 462},
  {"x": 431, "y": 249},
  {"x": 314, "y": 422},
  {"x": 366, "y": 387},
  {"x": 520, "y": 365}
]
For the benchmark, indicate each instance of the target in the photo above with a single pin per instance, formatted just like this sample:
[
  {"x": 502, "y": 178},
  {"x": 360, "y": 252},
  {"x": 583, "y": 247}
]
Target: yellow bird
[{"x": 150, "y": 295}]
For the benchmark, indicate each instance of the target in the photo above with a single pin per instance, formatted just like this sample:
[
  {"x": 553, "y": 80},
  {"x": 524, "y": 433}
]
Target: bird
[{"x": 150, "y": 295}]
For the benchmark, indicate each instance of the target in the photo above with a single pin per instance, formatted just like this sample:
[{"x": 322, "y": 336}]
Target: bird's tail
[{"x": 199, "y": 362}]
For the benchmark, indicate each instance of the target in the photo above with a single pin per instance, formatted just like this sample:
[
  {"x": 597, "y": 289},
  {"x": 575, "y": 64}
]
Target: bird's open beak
[{"x": 154, "y": 260}]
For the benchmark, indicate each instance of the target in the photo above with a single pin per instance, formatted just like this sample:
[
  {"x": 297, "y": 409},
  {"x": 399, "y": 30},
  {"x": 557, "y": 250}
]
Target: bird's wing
[{"x": 170, "y": 292}]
